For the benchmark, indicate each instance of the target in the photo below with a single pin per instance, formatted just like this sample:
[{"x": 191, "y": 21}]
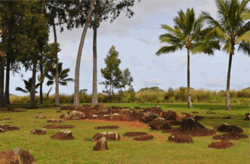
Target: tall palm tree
[
  {"x": 187, "y": 33},
  {"x": 63, "y": 74},
  {"x": 232, "y": 28},
  {"x": 28, "y": 86}
]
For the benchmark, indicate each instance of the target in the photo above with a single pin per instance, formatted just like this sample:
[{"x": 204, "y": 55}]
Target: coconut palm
[
  {"x": 187, "y": 33},
  {"x": 63, "y": 74},
  {"x": 28, "y": 86},
  {"x": 232, "y": 28}
]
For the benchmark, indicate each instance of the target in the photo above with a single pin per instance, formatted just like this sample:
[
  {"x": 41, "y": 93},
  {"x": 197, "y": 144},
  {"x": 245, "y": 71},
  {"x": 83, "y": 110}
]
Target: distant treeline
[{"x": 151, "y": 96}]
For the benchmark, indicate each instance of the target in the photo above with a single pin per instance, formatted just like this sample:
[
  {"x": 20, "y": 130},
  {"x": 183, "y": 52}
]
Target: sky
[{"x": 137, "y": 40}]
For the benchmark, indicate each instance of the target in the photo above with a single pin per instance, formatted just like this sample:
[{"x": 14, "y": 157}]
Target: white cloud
[{"x": 153, "y": 82}]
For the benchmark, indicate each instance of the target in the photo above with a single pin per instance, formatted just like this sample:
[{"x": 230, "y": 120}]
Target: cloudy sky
[{"x": 137, "y": 40}]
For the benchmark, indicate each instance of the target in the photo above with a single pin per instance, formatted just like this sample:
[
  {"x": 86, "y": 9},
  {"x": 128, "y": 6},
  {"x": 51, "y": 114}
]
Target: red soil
[
  {"x": 107, "y": 127},
  {"x": 180, "y": 138},
  {"x": 62, "y": 136},
  {"x": 134, "y": 134},
  {"x": 8, "y": 127},
  {"x": 144, "y": 138},
  {"x": 230, "y": 136},
  {"x": 221, "y": 145}
]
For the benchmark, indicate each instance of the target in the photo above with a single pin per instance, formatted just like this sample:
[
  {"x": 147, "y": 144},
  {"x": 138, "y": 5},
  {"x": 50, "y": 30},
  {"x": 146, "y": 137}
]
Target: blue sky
[{"x": 137, "y": 40}]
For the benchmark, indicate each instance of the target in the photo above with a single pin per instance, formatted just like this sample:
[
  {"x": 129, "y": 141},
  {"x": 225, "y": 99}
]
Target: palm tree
[
  {"x": 28, "y": 86},
  {"x": 187, "y": 33},
  {"x": 233, "y": 29},
  {"x": 63, "y": 74}
]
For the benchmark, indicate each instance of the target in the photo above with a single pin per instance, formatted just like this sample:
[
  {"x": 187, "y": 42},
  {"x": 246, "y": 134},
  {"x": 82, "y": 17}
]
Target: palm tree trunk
[
  {"x": 41, "y": 82},
  {"x": 94, "y": 89},
  {"x": 1, "y": 81},
  {"x": 33, "y": 89},
  {"x": 228, "y": 105},
  {"x": 57, "y": 102},
  {"x": 79, "y": 54},
  {"x": 188, "y": 81},
  {"x": 7, "y": 83}
]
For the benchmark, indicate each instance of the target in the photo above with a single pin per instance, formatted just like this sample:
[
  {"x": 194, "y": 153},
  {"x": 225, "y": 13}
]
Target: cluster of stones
[{"x": 74, "y": 115}]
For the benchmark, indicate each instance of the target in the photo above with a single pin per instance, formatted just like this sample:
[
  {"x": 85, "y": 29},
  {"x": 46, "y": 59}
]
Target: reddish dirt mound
[
  {"x": 230, "y": 136},
  {"x": 62, "y": 116},
  {"x": 110, "y": 136},
  {"x": 198, "y": 117},
  {"x": 156, "y": 110},
  {"x": 54, "y": 121},
  {"x": 10, "y": 157},
  {"x": 180, "y": 138},
  {"x": 120, "y": 117},
  {"x": 144, "y": 138},
  {"x": 190, "y": 124},
  {"x": 67, "y": 108},
  {"x": 38, "y": 132},
  {"x": 194, "y": 112},
  {"x": 58, "y": 111},
  {"x": 59, "y": 127},
  {"x": 221, "y": 145},
  {"x": 107, "y": 127},
  {"x": 195, "y": 132},
  {"x": 229, "y": 128},
  {"x": 247, "y": 117},
  {"x": 8, "y": 128},
  {"x": 174, "y": 122},
  {"x": 101, "y": 144},
  {"x": 62, "y": 135},
  {"x": 134, "y": 134}
]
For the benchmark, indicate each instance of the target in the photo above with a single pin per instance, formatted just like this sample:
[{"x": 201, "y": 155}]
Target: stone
[
  {"x": 159, "y": 124},
  {"x": 13, "y": 156},
  {"x": 148, "y": 116},
  {"x": 63, "y": 135},
  {"x": 110, "y": 136},
  {"x": 101, "y": 144},
  {"x": 169, "y": 115},
  {"x": 41, "y": 116},
  {"x": 75, "y": 115},
  {"x": 38, "y": 132},
  {"x": 229, "y": 128}
]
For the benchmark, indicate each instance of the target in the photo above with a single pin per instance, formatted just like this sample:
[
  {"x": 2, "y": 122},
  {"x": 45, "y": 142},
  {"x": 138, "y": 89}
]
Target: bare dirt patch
[
  {"x": 144, "y": 138},
  {"x": 134, "y": 134},
  {"x": 8, "y": 128},
  {"x": 107, "y": 127},
  {"x": 180, "y": 138},
  {"x": 9, "y": 156},
  {"x": 54, "y": 121},
  {"x": 221, "y": 145},
  {"x": 59, "y": 126},
  {"x": 230, "y": 136}
]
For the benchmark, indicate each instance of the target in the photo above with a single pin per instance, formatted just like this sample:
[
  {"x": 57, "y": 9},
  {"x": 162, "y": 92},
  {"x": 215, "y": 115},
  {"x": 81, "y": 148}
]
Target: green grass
[{"x": 79, "y": 151}]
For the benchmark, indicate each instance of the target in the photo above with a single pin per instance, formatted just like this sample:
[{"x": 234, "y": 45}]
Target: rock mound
[
  {"x": 38, "y": 132},
  {"x": 169, "y": 115},
  {"x": 67, "y": 108},
  {"x": 74, "y": 115},
  {"x": 59, "y": 126},
  {"x": 144, "y": 138},
  {"x": 4, "y": 128},
  {"x": 134, "y": 134},
  {"x": 54, "y": 121},
  {"x": 159, "y": 124},
  {"x": 110, "y": 136},
  {"x": 230, "y": 136},
  {"x": 221, "y": 145},
  {"x": 11, "y": 156},
  {"x": 229, "y": 128},
  {"x": 101, "y": 144},
  {"x": 180, "y": 138},
  {"x": 62, "y": 135}
]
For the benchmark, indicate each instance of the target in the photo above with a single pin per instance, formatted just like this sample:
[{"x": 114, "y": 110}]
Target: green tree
[
  {"x": 127, "y": 79},
  {"x": 233, "y": 29},
  {"x": 187, "y": 33},
  {"x": 112, "y": 73},
  {"x": 63, "y": 76},
  {"x": 28, "y": 86}
]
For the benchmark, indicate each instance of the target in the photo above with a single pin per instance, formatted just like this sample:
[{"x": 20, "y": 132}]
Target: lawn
[{"x": 126, "y": 150}]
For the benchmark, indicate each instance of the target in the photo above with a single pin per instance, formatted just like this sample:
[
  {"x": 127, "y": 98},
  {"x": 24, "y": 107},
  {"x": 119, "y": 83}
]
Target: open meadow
[{"x": 126, "y": 150}]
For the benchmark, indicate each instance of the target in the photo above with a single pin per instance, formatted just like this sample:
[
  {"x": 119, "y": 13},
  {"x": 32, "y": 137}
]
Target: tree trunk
[
  {"x": 57, "y": 102},
  {"x": 33, "y": 89},
  {"x": 7, "y": 83},
  {"x": 94, "y": 89},
  {"x": 79, "y": 54},
  {"x": 41, "y": 81},
  {"x": 228, "y": 105},
  {"x": 188, "y": 82},
  {"x": 1, "y": 81}
]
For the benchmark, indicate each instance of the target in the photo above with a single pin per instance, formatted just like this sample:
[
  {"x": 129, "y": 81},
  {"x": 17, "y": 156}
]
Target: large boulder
[
  {"x": 159, "y": 124},
  {"x": 110, "y": 136},
  {"x": 169, "y": 115},
  {"x": 13, "y": 156},
  {"x": 148, "y": 116},
  {"x": 101, "y": 144},
  {"x": 74, "y": 115}
]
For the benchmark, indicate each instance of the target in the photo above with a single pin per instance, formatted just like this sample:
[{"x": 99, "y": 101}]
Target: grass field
[{"x": 158, "y": 150}]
